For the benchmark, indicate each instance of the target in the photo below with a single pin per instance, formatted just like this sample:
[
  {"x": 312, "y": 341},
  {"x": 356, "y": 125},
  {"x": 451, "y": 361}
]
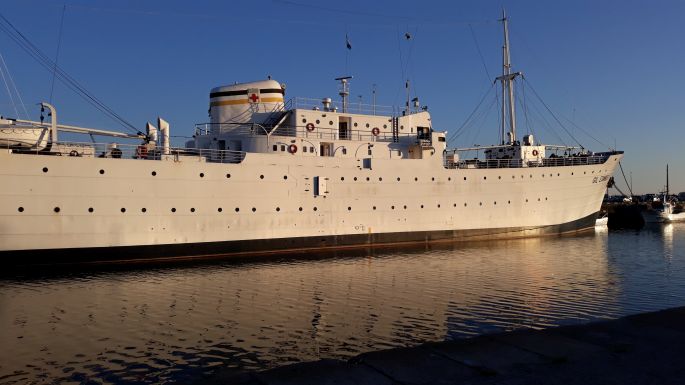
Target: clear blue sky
[{"x": 613, "y": 68}]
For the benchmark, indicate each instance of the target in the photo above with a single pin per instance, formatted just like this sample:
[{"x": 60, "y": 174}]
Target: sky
[{"x": 610, "y": 71}]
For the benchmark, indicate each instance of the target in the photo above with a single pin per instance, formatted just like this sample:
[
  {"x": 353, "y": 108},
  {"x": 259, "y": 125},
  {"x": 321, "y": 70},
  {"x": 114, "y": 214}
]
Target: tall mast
[
  {"x": 667, "y": 181},
  {"x": 507, "y": 79}
]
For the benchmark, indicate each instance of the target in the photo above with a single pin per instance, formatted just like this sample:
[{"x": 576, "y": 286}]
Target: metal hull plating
[{"x": 73, "y": 208}]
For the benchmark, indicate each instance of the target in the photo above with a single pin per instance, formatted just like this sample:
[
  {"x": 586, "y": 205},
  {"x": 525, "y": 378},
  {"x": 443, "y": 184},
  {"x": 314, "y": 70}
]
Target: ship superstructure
[{"x": 268, "y": 174}]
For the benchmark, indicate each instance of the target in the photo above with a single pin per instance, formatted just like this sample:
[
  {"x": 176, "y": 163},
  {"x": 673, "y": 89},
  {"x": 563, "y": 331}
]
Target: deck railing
[{"x": 556, "y": 161}]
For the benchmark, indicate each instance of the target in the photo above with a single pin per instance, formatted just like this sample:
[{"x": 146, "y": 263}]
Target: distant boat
[{"x": 668, "y": 212}]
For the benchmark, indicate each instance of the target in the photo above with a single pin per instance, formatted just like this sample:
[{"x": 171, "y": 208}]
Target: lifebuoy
[
  {"x": 74, "y": 153},
  {"x": 141, "y": 151},
  {"x": 375, "y": 131},
  {"x": 310, "y": 127},
  {"x": 535, "y": 152},
  {"x": 292, "y": 149}
]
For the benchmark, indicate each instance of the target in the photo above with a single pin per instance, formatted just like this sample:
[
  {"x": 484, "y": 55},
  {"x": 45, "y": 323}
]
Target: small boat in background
[{"x": 668, "y": 212}]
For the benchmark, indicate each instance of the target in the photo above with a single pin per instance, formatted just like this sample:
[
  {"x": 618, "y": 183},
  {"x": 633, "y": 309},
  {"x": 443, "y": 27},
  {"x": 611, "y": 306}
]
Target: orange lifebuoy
[
  {"x": 141, "y": 151},
  {"x": 535, "y": 152},
  {"x": 292, "y": 149},
  {"x": 375, "y": 131},
  {"x": 310, "y": 127}
]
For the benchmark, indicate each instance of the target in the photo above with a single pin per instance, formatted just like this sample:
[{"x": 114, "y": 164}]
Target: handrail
[{"x": 518, "y": 163}]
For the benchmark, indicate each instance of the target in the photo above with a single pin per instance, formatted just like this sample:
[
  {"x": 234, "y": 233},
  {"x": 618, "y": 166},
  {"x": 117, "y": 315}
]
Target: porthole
[
  {"x": 405, "y": 207},
  {"x": 584, "y": 172},
  {"x": 392, "y": 207},
  {"x": 531, "y": 175},
  {"x": 485, "y": 177},
  {"x": 228, "y": 175},
  {"x": 102, "y": 171},
  {"x": 558, "y": 174},
  {"x": 219, "y": 209},
  {"x": 571, "y": 173},
  {"x": 318, "y": 121},
  {"x": 464, "y": 178},
  {"x": 285, "y": 177},
  {"x": 398, "y": 178},
  {"x": 367, "y": 125},
  {"x": 45, "y": 169},
  {"x": 202, "y": 175},
  {"x": 254, "y": 209},
  {"x": 421, "y": 206},
  {"x": 374, "y": 207},
  {"x": 499, "y": 177},
  {"x": 380, "y": 179},
  {"x": 355, "y": 124},
  {"x": 513, "y": 177},
  {"x": 545, "y": 198},
  {"x": 315, "y": 209},
  {"x": 90, "y": 209},
  {"x": 416, "y": 179},
  {"x": 543, "y": 175},
  {"x": 438, "y": 205},
  {"x": 123, "y": 209},
  {"x": 508, "y": 202},
  {"x": 433, "y": 179},
  {"x": 449, "y": 178},
  {"x": 173, "y": 209},
  {"x": 342, "y": 178},
  {"x": 304, "y": 120},
  {"x": 20, "y": 209},
  {"x": 355, "y": 178},
  {"x": 154, "y": 173},
  {"x": 464, "y": 204},
  {"x": 192, "y": 209},
  {"x": 143, "y": 210},
  {"x": 367, "y": 179},
  {"x": 385, "y": 126},
  {"x": 278, "y": 209},
  {"x": 538, "y": 199},
  {"x": 300, "y": 209},
  {"x": 526, "y": 200},
  {"x": 237, "y": 209},
  {"x": 330, "y": 122},
  {"x": 261, "y": 177},
  {"x": 56, "y": 209},
  {"x": 495, "y": 203},
  {"x": 349, "y": 208},
  {"x": 480, "y": 203}
]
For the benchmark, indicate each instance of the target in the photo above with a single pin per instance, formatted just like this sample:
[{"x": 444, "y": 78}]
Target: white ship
[
  {"x": 270, "y": 176},
  {"x": 667, "y": 212}
]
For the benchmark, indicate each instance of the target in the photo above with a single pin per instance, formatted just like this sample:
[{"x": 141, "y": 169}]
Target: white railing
[
  {"x": 553, "y": 161},
  {"x": 126, "y": 151}
]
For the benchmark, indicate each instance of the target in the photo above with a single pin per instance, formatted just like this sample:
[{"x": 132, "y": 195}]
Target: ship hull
[
  {"x": 77, "y": 209},
  {"x": 284, "y": 246}
]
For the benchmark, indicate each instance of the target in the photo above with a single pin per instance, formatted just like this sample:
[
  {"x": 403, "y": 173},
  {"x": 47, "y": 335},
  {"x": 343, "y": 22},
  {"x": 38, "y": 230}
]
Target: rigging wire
[
  {"x": 552, "y": 113},
  {"x": 59, "y": 45},
  {"x": 70, "y": 82},
  {"x": 625, "y": 179},
  {"x": 14, "y": 86},
  {"x": 480, "y": 54},
  {"x": 469, "y": 118},
  {"x": 9, "y": 93}
]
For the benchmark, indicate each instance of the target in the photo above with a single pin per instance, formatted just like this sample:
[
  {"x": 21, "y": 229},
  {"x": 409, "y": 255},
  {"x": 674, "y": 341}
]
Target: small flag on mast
[{"x": 347, "y": 42}]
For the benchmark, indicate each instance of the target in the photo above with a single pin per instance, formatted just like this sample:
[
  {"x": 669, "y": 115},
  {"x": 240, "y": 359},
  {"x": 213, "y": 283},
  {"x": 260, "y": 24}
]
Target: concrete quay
[{"x": 639, "y": 349}]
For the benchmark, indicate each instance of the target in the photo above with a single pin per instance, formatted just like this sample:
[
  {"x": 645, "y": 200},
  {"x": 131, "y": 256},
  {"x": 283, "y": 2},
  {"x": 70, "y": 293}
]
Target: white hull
[{"x": 427, "y": 197}]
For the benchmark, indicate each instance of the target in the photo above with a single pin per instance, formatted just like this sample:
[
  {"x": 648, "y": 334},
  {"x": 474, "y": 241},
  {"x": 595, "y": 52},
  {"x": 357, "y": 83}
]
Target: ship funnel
[
  {"x": 236, "y": 104},
  {"x": 151, "y": 133},
  {"x": 164, "y": 129},
  {"x": 326, "y": 104}
]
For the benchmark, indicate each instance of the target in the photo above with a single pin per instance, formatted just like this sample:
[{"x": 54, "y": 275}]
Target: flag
[{"x": 347, "y": 42}]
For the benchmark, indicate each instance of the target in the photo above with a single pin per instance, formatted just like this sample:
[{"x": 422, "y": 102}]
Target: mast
[
  {"x": 507, "y": 79},
  {"x": 667, "y": 181}
]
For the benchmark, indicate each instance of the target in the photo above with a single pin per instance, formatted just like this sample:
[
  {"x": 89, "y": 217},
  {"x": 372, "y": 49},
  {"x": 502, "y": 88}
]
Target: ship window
[
  {"x": 441, "y": 138},
  {"x": 304, "y": 149},
  {"x": 416, "y": 179},
  {"x": 385, "y": 126},
  {"x": 392, "y": 207},
  {"x": 374, "y": 207},
  {"x": 344, "y": 150},
  {"x": 304, "y": 120},
  {"x": 398, "y": 178},
  {"x": 123, "y": 210},
  {"x": 311, "y": 149},
  {"x": 401, "y": 127},
  {"x": 45, "y": 169},
  {"x": 282, "y": 147},
  {"x": 571, "y": 173},
  {"x": 254, "y": 209},
  {"x": 543, "y": 175},
  {"x": 275, "y": 147},
  {"x": 219, "y": 209},
  {"x": 300, "y": 209},
  {"x": 499, "y": 177},
  {"x": 480, "y": 203},
  {"x": 449, "y": 178},
  {"x": 192, "y": 209},
  {"x": 154, "y": 173},
  {"x": 315, "y": 208},
  {"x": 318, "y": 121},
  {"x": 285, "y": 177},
  {"x": 380, "y": 179},
  {"x": 421, "y": 206},
  {"x": 330, "y": 122},
  {"x": 464, "y": 204},
  {"x": 485, "y": 177},
  {"x": 56, "y": 209},
  {"x": 508, "y": 202},
  {"x": 355, "y": 178},
  {"x": 261, "y": 177},
  {"x": 278, "y": 209},
  {"x": 545, "y": 198},
  {"x": 526, "y": 200},
  {"x": 538, "y": 199},
  {"x": 342, "y": 178},
  {"x": 464, "y": 178},
  {"x": 102, "y": 171},
  {"x": 367, "y": 125},
  {"x": 237, "y": 209},
  {"x": 173, "y": 209},
  {"x": 20, "y": 209},
  {"x": 438, "y": 205},
  {"x": 531, "y": 175},
  {"x": 495, "y": 202},
  {"x": 202, "y": 175},
  {"x": 228, "y": 175},
  {"x": 367, "y": 178},
  {"x": 455, "y": 205},
  {"x": 370, "y": 152},
  {"x": 355, "y": 124},
  {"x": 349, "y": 208},
  {"x": 513, "y": 177},
  {"x": 143, "y": 210},
  {"x": 90, "y": 209},
  {"x": 405, "y": 207},
  {"x": 433, "y": 179}
]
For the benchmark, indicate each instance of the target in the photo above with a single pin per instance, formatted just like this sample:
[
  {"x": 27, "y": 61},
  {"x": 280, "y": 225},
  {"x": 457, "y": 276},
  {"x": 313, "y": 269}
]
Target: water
[{"x": 177, "y": 324}]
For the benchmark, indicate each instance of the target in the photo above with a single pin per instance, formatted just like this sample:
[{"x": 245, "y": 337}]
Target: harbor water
[{"x": 176, "y": 324}]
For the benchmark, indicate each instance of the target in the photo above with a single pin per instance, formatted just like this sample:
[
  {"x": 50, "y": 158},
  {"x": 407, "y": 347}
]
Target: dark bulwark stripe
[
  {"x": 265, "y": 247},
  {"x": 244, "y": 92}
]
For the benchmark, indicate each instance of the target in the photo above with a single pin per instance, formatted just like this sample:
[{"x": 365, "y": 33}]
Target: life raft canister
[
  {"x": 375, "y": 131},
  {"x": 310, "y": 127},
  {"x": 292, "y": 149}
]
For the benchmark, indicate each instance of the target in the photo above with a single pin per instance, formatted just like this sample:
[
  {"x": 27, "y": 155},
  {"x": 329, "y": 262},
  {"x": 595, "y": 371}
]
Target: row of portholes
[{"x": 278, "y": 209}]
